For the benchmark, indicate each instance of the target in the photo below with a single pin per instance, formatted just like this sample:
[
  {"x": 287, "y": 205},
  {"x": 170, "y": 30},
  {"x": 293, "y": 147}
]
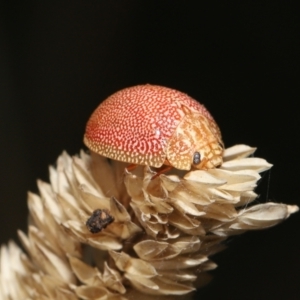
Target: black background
[{"x": 58, "y": 60}]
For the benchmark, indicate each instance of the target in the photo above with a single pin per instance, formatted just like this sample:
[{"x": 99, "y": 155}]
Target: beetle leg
[
  {"x": 131, "y": 167},
  {"x": 162, "y": 170}
]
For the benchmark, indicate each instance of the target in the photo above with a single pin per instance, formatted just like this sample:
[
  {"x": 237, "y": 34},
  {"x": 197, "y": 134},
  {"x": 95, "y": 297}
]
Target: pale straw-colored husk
[{"x": 164, "y": 232}]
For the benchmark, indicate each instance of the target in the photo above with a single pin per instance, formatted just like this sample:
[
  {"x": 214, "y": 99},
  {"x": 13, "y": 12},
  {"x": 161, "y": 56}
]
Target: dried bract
[{"x": 97, "y": 232}]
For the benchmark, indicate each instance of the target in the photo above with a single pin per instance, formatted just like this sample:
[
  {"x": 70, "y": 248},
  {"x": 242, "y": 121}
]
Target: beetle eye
[{"x": 197, "y": 158}]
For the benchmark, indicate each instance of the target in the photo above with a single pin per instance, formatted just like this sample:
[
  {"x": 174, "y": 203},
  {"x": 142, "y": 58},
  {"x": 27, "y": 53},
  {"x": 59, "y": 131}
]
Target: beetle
[{"x": 155, "y": 125}]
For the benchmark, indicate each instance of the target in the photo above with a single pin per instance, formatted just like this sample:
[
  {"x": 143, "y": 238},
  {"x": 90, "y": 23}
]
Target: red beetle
[{"x": 154, "y": 125}]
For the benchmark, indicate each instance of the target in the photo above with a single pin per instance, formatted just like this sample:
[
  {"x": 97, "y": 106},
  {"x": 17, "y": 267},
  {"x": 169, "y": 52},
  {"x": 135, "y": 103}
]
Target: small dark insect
[{"x": 99, "y": 219}]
